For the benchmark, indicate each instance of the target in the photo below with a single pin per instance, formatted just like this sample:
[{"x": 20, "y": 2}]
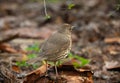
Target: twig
[
  {"x": 45, "y": 8},
  {"x": 6, "y": 39}
]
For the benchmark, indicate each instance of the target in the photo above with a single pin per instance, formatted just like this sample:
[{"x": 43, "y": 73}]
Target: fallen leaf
[
  {"x": 7, "y": 47},
  {"x": 112, "y": 40}
]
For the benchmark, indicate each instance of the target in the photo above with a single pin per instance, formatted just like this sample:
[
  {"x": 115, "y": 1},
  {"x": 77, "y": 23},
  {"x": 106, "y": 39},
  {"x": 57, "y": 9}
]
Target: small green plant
[
  {"x": 31, "y": 56},
  {"x": 21, "y": 64},
  {"x": 70, "y": 6},
  {"x": 47, "y": 16},
  {"x": 35, "y": 66},
  {"x": 82, "y": 60},
  {"x": 58, "y": 63},
  {"x": 25, "y": 64},
  {"x": 35, "y": 48}
]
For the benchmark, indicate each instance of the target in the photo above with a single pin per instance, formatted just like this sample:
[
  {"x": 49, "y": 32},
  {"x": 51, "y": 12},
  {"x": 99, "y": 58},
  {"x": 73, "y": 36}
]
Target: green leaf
[
  {"x": 35, "y": 66},
  {"x": 34, "y": 47},
  {"x": 31, "y": 56},
  {"x": 81, "y": 59},
  {"x": 47, "y": 16},
  {"x": 76, "y": 64},
  {"x": 51, "y": 63},
  {"x": 70, "y": 55},
  {"x": 21, "y": 63},
  {"x": 59, "y": 63},
  {"x": 70, "y": 6}
]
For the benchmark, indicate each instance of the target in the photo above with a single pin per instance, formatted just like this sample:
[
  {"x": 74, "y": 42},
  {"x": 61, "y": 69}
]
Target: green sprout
[
  {"x": 70, "y": 6},
  {"x": 31, "y": 56},
  {"x": 81, "y": 59},
  {"x": 47, "y": 16},
  {"x": 35, "y": 48},
  {"x": 25, "y": 64},
  {"x": 35, "y": 66},
  {"x": 21, "y": 63},
  {"x": 58, "y": 63}
]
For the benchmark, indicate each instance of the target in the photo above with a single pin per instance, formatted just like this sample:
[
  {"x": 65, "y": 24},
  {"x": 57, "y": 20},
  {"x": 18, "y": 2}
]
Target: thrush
[{"x": 57, "y": 46}]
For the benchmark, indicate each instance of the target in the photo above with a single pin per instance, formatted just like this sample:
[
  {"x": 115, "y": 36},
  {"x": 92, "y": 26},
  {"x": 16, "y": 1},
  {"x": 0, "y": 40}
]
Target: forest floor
[{"x": 95, "y": 38}]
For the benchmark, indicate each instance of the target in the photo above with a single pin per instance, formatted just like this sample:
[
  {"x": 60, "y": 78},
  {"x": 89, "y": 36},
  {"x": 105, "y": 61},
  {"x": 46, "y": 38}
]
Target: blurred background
[{"x": 96, "y": 36}]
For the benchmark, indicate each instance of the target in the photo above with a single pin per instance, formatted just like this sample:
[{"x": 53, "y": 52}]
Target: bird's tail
[
  {"x": 34, "y": 60},
  {"x": 37, "y": 59}
]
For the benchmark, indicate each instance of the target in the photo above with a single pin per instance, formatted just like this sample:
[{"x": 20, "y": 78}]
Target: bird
[{"x": 56, "y": 47}]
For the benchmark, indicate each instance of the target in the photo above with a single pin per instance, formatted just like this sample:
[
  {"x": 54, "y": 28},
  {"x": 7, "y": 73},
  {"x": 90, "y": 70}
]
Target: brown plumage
[{"x": 57, "y": 46}]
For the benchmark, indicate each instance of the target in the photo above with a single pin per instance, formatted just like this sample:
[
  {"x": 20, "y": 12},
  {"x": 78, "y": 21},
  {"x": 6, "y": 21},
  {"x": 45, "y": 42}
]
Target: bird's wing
[{"x": 56, "y": 43}]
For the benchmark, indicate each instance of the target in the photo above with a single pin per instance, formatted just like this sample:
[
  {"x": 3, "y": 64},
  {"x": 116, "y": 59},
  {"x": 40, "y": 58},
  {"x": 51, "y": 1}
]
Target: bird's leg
[
  {"x": 46, "y": 73},
  {"x": 55, "y": 64},
  {"x": 46, "y": 68}
]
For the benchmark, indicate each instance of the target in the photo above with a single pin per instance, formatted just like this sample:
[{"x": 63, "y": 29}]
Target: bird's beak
[{"x": 72, "y": 27}]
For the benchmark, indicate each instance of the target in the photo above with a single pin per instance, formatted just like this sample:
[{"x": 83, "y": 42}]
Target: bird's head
[{"x": 66, "y": 28}]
